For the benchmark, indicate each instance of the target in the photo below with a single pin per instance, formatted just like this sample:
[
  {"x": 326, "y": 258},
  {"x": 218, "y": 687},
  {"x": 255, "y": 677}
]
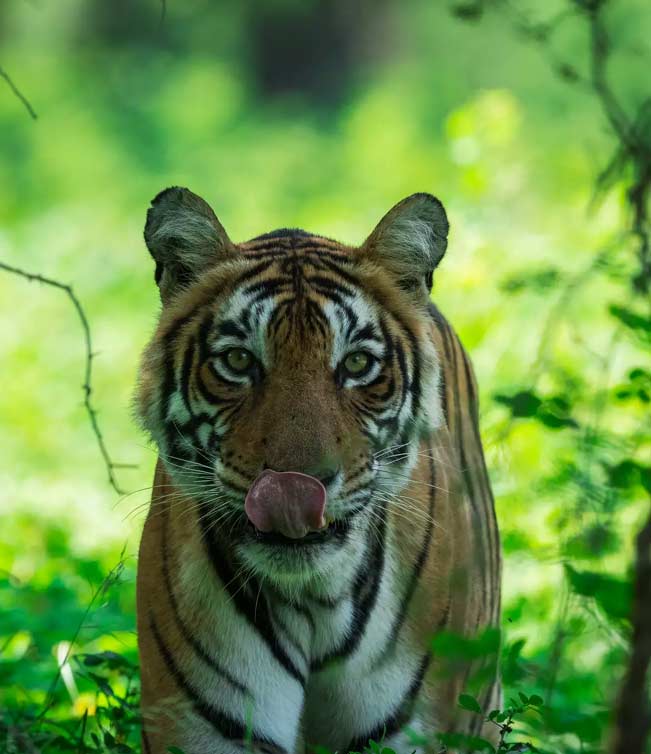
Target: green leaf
[
  {"x": 469, "y": 11},
  {"x": 90, "y": 661},
  {"x": 555, "y": 413},
  {"x": 624, "y": 474},
  {"x": 594, "y": 541},
  {"x": 513, "y": 669},
  {"x": 535, "y": 700},
  {"x": 523, "y": 698},
  {"x": 465, "y": 742},
  {"x": 174, "y": 750},
  {"x": 613, "y": 595},
  {"x": 645, "y": 478},
  {"x": 468, "y": 702},
  {"x": 585, "y": 725},
  {"x": 453, "y": 646},
  {"x": 537, "y": 281},
  {"x": 634, "y": 321},
  {"x": 523, "y": 404}
]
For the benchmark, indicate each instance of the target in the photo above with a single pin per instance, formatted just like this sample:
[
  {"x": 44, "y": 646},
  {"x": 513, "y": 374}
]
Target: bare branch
[
  {"x": 18, "y": 93},
  {"x": 111, "y": 466}
]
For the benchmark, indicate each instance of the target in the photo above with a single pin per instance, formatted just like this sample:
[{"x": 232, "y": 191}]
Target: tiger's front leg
[{"x": 216, "y": 677}]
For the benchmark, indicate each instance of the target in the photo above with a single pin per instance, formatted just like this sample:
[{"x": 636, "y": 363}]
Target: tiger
[{"x": 321, "y": 506}]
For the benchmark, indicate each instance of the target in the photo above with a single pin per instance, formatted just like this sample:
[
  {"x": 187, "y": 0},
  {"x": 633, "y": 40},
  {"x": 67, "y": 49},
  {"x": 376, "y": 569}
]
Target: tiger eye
[
  {"x": 239, "y": 359},
  {"x": 356, "y": 363}
]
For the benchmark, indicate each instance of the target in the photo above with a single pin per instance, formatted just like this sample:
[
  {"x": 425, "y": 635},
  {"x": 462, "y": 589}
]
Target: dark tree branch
[
  {"x": 633, "y": 715},
  {"x": 599, "y": 53},
  {"x": 633, "y": 132},
  {"x": 111, "y": 466},
  {"x": 18, "y": 93},
  {"x": 635, "y": 142}
]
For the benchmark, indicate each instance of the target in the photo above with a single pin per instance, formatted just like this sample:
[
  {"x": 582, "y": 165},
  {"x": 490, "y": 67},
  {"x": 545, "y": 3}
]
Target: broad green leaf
[
  {"x": 613, "y": 595},
  {"x": 523, "y": 404},
  {"x": 468, "y": 702}
]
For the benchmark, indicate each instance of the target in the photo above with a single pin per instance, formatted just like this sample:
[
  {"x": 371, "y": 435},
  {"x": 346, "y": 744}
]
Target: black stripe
[
  {"x": 334, "y": 267},
  {"x": 366, "y": 466},
  {"x": 316, "y": 317},
  {"x": 399, "y": 717},
  {"x": 205, "y": 391},
  {"x": 402, "y": 364},
  {"x": 256, "y": 615},
  {"x": 336, "y": 296},
  {"x": 203, "y": 338},
  {"x": 460, "y": 441},
  {"x": 414, "y": 385},
  {"x": 439, "y": 324},
  {"x": 330, "y": 284},
  {"x": 252, "y": 272},
  {"x": 227, "y": 726},
  {"x": 186, "y": 370},
  {"x": 417, "y": 569},
  {"x": 287, "y": 635},
  {"x": 389, "y": 391},
  {"x": 230, "y": 327},
  {"x": 269, "y": 285},
  {"x": 182, "y": 626},
  {"x": 366, "y": 333},
  {"x": 493, "y": 531},
  {"x": 145, "y": 740},
  {"x": 364, "y": 596},
  {"x": 274, "y": 235}
]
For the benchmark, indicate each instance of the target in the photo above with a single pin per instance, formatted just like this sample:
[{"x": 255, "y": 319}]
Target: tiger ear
[
  {"x": 184, "y": 237},
  {"x": 410, "y": 241}
]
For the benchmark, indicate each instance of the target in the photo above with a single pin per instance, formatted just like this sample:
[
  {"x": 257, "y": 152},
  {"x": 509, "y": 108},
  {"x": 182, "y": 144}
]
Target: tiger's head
[{"x": 288, "y": 373}]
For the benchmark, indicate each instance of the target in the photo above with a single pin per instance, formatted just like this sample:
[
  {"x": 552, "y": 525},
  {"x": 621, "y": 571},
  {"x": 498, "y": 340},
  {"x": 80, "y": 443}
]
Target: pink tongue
[{"x": 286, "y": 502}]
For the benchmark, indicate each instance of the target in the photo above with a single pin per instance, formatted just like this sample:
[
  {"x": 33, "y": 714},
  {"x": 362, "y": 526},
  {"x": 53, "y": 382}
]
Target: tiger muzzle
[{"x": 287, "y": 503}]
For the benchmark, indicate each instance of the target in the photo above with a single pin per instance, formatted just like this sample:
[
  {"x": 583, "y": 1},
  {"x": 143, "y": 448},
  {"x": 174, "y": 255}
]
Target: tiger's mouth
[{"x": 336, "y": 529}]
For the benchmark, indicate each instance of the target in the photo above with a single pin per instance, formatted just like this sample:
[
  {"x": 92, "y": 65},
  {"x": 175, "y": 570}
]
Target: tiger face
[{"x": 291, "y": 378}]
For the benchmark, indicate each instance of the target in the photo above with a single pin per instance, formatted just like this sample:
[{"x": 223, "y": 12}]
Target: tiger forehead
[
  {"x": 291, "y": 239},
  {"x": 297, "y": 263},
  {"x": 293, "y": 281}
]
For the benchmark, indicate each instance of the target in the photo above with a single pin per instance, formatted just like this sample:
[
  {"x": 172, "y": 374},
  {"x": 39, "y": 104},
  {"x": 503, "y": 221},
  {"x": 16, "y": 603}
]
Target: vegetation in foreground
[{"x": 552, "y": 303}]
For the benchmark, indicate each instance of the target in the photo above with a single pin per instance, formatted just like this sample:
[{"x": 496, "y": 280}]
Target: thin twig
[
  {"x": 86, "y": 387},
  {"x": 18, "y": 93}
]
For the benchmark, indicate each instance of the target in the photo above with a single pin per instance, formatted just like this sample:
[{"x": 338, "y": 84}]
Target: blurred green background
[{"x": 319, "y": 115}]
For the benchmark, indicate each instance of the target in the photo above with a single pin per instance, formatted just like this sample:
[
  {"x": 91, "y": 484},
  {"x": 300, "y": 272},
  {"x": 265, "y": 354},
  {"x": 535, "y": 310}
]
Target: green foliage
[
  {"x": 546, "y": 298},
  {"x": 613, "y": 595}
]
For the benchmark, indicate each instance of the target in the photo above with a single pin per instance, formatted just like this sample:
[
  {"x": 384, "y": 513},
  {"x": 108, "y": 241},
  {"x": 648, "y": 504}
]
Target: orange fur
[{"x": 295, "y": 420}]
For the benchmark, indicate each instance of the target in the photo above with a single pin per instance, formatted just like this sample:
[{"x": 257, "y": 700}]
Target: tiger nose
[{"x": 326, "y": 473}]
